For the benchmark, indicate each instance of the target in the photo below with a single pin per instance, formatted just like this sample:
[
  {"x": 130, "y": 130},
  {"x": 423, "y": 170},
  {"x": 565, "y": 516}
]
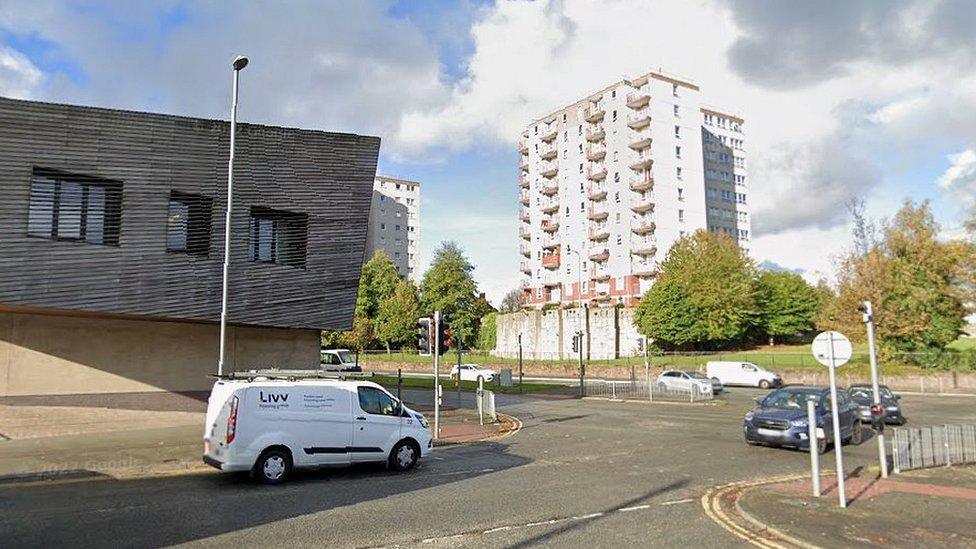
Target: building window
[
  {"x": 278, "y": 237},
  {"x": 674, "y": 90},
  {"x": 677, "y": 151},
  {"x": 676, "y": 110},
  {"x": 614, "y": 114},
  {"x": 188, "y": 223},
  {"x": 677, "y": 131},
  {"x": 74, "y": 207},
  {"x": 681, "y": 215},
  {"x": 677, "y": 172}
]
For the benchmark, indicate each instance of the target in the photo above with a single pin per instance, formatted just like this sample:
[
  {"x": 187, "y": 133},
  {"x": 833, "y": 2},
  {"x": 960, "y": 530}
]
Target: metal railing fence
[
  {"x": 933, "y": 446},
  {"x": 642, "y": 390}
]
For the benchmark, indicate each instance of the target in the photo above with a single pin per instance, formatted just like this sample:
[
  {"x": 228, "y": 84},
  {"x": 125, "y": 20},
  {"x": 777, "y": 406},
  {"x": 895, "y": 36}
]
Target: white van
[
  {"x": 338, "y": 360},
  {"x": 268, "y": 426},
  {"x": 742, "y": 373}
]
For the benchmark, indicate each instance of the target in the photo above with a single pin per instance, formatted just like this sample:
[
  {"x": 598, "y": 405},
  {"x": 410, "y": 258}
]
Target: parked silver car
[
  {"x": 684, "y": 380},
  {"x": 863, "y": 397}
]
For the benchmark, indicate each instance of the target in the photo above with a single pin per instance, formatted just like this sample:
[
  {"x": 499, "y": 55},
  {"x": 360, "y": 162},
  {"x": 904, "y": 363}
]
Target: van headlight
[
  {"x": 749, "y": 416},
  {"x": 423, "y": 421}
]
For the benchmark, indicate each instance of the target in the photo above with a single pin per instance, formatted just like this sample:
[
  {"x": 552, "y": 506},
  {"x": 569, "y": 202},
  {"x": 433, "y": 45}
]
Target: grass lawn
[
  {"x": 776, "y": 358},
  {"x": 963, "y": 344}
]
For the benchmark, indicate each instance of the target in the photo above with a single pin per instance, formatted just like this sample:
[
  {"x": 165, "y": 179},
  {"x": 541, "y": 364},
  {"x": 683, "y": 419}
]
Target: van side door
[
  {"x": 750, "y": 374},
  {"x": 376, "y": 424},
  {"x": 326, "y": 429}
]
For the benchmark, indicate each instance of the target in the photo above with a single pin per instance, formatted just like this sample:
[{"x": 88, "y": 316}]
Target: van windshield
[{"x": 346, "y": 357}]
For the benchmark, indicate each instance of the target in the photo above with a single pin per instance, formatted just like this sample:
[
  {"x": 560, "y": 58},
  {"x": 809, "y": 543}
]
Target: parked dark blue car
[{"x": 780, "y": 418}]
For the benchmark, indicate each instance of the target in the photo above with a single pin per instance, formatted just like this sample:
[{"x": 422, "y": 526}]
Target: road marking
[
  {"x": 677, "y": 501},
  {"x": 766, "y": 536},
  {"x": 534, "y": 524}
]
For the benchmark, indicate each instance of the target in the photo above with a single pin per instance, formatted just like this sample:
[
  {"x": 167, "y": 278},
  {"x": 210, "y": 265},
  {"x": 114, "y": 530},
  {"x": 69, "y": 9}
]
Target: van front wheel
[
  {"x": 404, "y": 456},
  {"x": 272, "y": 467},
  {"x": 764, "y": 384}
]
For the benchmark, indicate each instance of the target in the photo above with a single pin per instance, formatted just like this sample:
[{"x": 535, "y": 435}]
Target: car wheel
[
  {"x": 272, "y": 467},
  {"x": 857, "y": 435},
  {"x": 404, "y": 456},
  {"x": 821, "y": 445},
  {"x": 764, "y": 384}
]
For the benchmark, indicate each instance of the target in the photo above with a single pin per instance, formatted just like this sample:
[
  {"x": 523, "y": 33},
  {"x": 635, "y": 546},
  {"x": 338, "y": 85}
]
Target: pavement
[
  {"x": 579, "y": 473},
  {"x": 139, "y": 434},
  {"x": 925, "y": 508}
]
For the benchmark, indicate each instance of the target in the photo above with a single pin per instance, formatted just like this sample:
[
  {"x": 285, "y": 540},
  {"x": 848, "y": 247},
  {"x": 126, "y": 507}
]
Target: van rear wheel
[
  {"x": 764, "y": 384},
  {"x": 404, "y": 456},
  {"x": 272, "y": 467}
]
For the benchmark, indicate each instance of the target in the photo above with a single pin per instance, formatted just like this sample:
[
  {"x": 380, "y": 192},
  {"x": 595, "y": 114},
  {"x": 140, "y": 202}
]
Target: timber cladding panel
[{"x": 322, "y": 177}]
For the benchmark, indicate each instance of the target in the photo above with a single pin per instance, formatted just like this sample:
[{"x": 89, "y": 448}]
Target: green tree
[
  {"x": 488, "y": 332},
  {"x": 917, "y": 282},
  {"x": 396, "y": 319},
  {"x": 788, "y": 306},
  {"x": 513, "y": 301},
  {"x": 704, "y": 295},
  {"x": 449, "y": 287},
  {"x": 378, "y": 281},
  {"x": 359, "y": 338}
]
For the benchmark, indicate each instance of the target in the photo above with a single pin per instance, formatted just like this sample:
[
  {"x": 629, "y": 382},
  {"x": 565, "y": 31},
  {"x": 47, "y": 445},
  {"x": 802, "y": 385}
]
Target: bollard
[{"x": 814, "y": 456}]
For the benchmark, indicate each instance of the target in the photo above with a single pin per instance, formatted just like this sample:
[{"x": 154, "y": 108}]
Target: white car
[
  {"x": 742, "y": 373},
  {"x": 272, "y": 426},
  {"x": 471, "y": 372},
  {"x": 679, "y": 380}
]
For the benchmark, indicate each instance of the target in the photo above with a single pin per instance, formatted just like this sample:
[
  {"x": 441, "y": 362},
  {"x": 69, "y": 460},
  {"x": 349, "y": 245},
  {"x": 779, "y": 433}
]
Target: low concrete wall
[{"x": 47, "y": 354}]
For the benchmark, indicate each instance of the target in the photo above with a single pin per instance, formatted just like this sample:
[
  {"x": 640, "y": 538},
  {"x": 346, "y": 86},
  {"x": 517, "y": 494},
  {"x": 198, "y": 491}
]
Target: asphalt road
[{"x": 579, "y": 473}]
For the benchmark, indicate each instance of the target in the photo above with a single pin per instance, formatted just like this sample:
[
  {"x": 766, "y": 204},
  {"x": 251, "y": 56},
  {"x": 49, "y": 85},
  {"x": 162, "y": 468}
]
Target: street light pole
[{"x": 239, "y": 63}]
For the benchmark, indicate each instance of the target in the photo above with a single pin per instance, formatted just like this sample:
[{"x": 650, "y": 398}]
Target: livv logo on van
[{"x": 273, "y": 400}]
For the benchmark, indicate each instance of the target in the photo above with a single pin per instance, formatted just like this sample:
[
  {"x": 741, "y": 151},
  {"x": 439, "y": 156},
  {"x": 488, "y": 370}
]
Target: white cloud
[
  {"x": 19, "y": 78},
  {"x": 959, "y": 179}
]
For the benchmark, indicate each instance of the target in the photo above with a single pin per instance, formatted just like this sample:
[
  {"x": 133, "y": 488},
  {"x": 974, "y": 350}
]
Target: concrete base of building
[{"x": 44, "y": 354}]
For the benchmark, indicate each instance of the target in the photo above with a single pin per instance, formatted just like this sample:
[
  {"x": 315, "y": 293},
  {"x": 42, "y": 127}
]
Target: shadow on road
[{"x": 172, "y": 510}]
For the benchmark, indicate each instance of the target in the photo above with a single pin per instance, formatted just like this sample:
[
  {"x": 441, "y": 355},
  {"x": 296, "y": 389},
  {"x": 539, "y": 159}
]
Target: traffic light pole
[
  {"x": 882, "y": 449},
  {"x": 437, "y": 376}
]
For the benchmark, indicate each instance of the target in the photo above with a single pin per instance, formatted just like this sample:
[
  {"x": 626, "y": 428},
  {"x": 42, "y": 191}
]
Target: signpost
[{"x": 833, "y": 349}]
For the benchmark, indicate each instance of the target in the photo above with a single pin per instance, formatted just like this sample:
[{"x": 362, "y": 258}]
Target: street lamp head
[{"x": 240, "y": 62}]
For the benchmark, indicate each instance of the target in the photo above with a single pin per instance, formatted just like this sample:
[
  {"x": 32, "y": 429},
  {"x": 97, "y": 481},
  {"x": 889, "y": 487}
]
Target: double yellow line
[{"x": 753, "y": 532}]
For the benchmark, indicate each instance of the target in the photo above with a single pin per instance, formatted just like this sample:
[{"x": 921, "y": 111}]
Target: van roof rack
[{"x": 288, "y": 375}]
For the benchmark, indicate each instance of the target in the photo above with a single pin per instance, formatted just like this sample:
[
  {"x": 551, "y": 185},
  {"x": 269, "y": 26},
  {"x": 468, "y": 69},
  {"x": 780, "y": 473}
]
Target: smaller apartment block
[
  {"x": 610, "y": 182},
  {"x": 394, "y": 223}
]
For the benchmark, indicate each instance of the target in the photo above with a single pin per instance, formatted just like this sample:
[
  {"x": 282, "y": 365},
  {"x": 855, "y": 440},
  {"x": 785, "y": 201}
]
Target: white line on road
[
  {"x": 677, "y": 501},
  {"x": 634, "y": 508}
]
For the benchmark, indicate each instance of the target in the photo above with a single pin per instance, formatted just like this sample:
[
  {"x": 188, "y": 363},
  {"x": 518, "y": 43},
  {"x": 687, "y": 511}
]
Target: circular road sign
[{"x": 842, "y": 348}]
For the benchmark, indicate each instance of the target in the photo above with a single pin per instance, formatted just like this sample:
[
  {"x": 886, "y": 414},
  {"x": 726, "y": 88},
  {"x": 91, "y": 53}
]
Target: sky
[{"x": 843, "y": 100}]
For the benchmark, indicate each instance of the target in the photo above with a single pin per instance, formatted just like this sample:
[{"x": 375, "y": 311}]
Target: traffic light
[
  {"x": 444, "y": 336},
  {"x": 423, "y": 336},
  {"x": 867, "y": 312},
  {"x": 575, "y": 343}
]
